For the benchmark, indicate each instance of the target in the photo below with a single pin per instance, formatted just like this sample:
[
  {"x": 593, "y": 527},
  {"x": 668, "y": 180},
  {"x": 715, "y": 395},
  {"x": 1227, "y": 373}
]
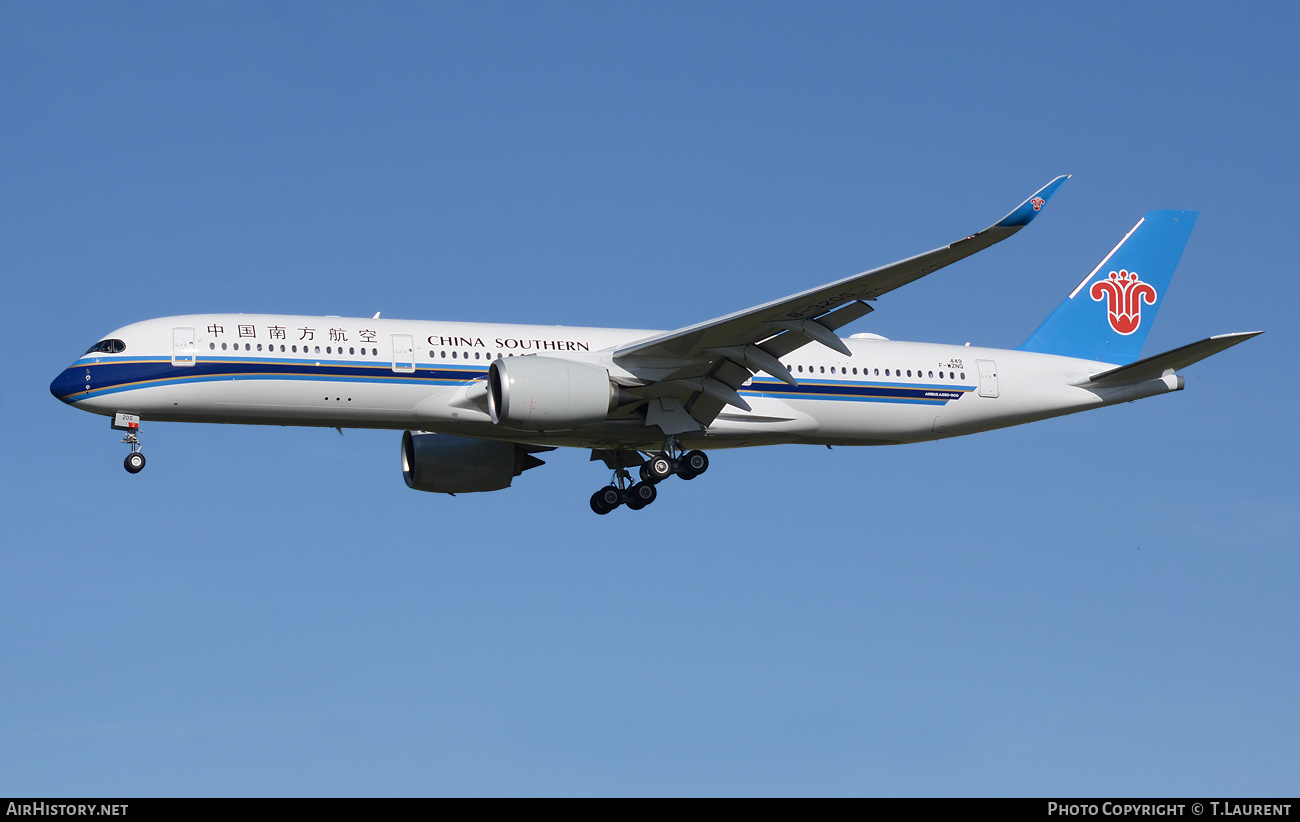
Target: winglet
[{"x": 1027, "y": 210}]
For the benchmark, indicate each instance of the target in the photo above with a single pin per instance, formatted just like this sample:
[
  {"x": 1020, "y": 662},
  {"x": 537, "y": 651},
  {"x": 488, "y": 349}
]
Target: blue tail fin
[{"x": 1107, "y": 317}]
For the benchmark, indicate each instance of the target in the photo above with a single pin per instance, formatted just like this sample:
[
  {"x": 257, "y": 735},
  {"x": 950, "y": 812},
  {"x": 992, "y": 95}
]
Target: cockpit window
[{"x": 107, "y": 347}]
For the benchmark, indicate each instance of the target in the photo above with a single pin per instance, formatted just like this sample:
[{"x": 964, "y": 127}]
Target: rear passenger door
[{"x": 988, "y": 377}]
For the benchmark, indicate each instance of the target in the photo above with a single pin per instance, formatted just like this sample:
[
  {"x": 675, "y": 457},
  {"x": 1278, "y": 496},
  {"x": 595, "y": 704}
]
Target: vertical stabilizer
[{"x": 1108, "y": 316}]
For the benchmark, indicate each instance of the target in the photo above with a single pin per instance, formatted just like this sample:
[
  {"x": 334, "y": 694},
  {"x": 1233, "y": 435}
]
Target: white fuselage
[{"x": 418, "y": 375}]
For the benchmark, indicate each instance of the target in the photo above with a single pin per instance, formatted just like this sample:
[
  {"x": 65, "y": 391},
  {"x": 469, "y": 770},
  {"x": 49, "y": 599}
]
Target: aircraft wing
[{"x": 702, "y": 365}]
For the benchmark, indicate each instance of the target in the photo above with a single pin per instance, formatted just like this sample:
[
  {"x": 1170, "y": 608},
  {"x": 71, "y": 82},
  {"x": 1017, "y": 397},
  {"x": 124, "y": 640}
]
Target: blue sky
[{"x": 1101, "y": 604}]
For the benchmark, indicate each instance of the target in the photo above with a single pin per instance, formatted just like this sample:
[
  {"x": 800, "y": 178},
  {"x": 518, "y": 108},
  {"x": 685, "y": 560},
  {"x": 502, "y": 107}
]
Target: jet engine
[
  {"x": 459, "y": 465},
  {"x": 548, "y": 394}
]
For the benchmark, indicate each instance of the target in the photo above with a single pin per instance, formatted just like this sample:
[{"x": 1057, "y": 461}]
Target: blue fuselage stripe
[{"x": 110, "y": 376}]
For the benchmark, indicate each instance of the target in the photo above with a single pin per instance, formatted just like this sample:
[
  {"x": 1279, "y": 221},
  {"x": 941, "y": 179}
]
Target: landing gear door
[
  {"x": 403, "y": 353},
  {"x": 184, "y": 351},
  {"x": 988, "y": 378}
]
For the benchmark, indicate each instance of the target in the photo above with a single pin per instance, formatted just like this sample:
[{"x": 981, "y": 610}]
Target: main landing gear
[
  {"x": 130, "y": 423},
  {"x": 659, "y": 467}
]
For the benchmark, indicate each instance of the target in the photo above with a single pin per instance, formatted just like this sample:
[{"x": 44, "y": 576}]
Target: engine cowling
[
  {"x": 548, "y": 394},
  {"x": 460, "y": 465}
]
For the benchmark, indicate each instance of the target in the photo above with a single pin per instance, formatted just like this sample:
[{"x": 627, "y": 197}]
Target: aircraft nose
[{"x": 69, "y": 382}]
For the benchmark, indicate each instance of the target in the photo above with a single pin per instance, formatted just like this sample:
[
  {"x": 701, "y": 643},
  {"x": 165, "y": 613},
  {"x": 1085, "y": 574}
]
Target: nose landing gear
[{"x": 130, "y": 423}]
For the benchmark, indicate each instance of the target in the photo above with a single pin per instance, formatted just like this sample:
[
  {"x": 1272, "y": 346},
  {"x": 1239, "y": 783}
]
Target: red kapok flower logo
[{"x": 1124, "y": 294}]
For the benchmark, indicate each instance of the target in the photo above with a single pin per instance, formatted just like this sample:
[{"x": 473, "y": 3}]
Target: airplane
[{"x": 477, "y": 401}]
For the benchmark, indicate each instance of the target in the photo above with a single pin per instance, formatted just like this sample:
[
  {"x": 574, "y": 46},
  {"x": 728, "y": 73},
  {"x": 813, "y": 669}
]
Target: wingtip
[{"x": 1026, "y": 211}]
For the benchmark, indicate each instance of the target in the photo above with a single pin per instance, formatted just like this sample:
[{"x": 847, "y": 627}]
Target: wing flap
[{"x": 792, "y": 339}]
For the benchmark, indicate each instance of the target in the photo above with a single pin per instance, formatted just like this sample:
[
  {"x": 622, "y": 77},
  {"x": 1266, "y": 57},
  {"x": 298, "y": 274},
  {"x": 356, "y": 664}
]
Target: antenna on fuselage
[{"x": 376, "y": 316}]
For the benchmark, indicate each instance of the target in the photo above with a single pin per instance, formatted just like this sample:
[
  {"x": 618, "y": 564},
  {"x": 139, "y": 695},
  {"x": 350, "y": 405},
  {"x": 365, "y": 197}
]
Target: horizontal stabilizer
[{"x": 1154, "y": 367}]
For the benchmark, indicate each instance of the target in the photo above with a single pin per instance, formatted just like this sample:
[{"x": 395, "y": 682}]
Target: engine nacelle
[
  {"x": 459, "y": 465},
  {"x": 548, "y": 394}
]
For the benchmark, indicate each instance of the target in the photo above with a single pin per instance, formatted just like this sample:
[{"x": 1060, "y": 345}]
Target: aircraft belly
[
  {"x": 917, "y": 419},
  {"x": 277, "y": 402},
  {"x": 767, "y": 417},
  {"x": 1019, "y": 402}
]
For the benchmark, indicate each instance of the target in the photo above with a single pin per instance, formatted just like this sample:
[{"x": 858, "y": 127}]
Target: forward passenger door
[{"x": 184, "y": 351}]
